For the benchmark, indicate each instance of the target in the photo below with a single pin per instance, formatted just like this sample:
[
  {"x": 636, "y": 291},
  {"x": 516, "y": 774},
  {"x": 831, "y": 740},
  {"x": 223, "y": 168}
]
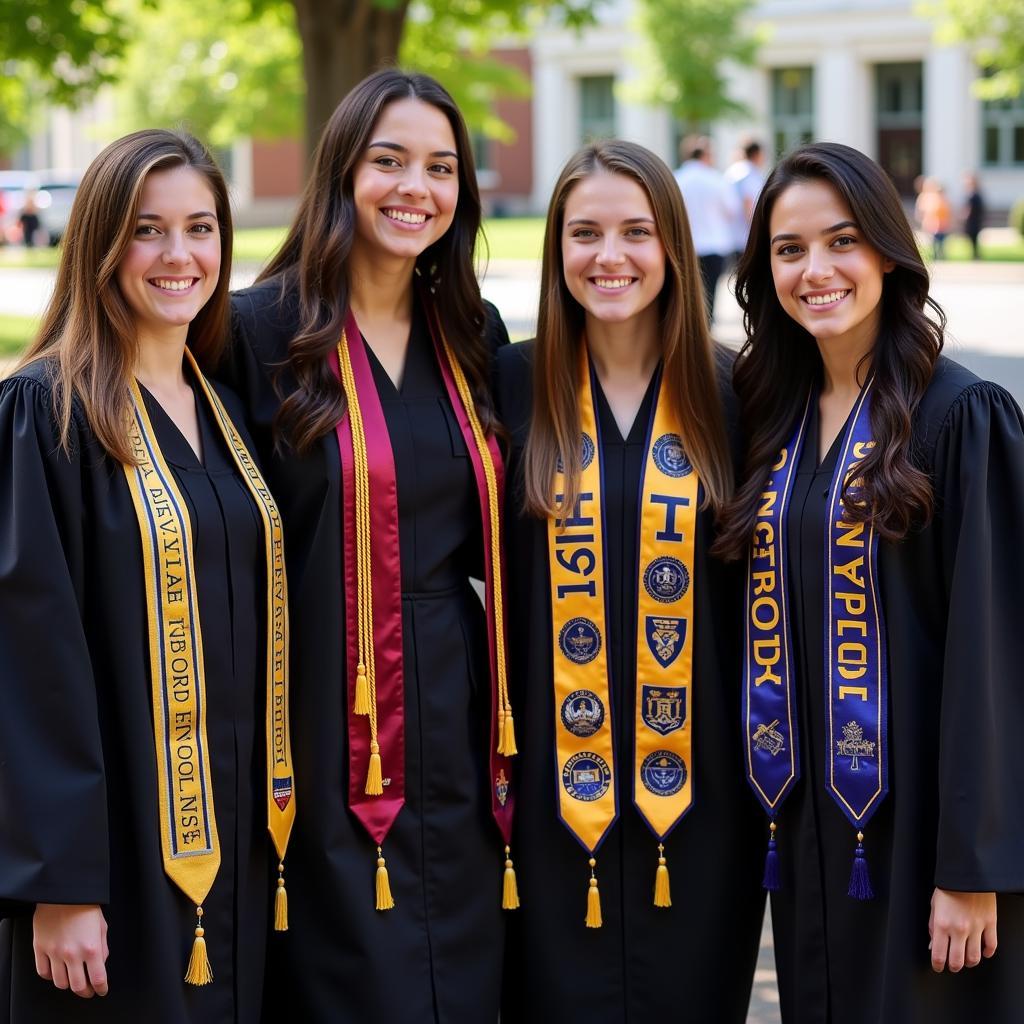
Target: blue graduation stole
[{"x": 856, "y": 681}]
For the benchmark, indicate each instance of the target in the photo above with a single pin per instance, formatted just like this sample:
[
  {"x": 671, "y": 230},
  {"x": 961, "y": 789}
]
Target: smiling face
[
  {"x": 828, "y": 277},
  {"x": 172, "y": 264},
  {"x": 406, "y": 185},
  {"x": 613, "y": 259}
]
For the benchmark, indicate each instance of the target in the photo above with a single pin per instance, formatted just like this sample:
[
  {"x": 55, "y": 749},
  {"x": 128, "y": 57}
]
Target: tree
[
  {"x": 344, "y": 40},
  {"x": 997, "y": 28},
  {"x": 52, "y": 50},
  {"x": 691, "y": 42}
]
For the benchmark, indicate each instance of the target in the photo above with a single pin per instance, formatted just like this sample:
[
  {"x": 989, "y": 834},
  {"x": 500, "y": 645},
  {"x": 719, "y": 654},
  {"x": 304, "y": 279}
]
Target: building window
[
  {"x": 1003, "y": 132},
  {"x": 792, "y": 107},
  {"x": 597, "y": 108}
]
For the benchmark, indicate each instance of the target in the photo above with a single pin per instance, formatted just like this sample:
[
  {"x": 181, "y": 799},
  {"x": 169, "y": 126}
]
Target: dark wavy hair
[
  {"x": 88, "y": 332},
  {"x": 314, "y": 257},
  {"x": 687, "y": 351},
  {"x": 780, "y": 361}
]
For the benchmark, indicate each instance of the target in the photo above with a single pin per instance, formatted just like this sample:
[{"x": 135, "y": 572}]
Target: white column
[
  {"x": 555, "y": 128},
  {"x": 842, "y": 100},
  {"x": 950, "y": 147}
]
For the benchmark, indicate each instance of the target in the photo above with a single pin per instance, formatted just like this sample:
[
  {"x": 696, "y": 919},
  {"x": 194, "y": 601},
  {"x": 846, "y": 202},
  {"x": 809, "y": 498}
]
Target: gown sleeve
[
  {"x": 979, "y": 490},
  {"x": 53, "y": 806}
]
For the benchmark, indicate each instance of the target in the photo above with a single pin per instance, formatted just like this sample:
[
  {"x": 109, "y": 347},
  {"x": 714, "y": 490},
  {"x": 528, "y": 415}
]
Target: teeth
[
  {"x": 824, "y": 300},
  {"x": 405, "y": 218},
  {"x": 612, "y": 282},
  {"x": 173, "y": 285}
]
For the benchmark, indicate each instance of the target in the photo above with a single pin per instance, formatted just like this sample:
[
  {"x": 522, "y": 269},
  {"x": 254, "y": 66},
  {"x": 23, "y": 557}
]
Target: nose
[
  {"x": 414, "y": 181},
  {"x": 610, "y": 252},
  {"x": 819, "y": 264},
  {"x": 176, "y": 252}
]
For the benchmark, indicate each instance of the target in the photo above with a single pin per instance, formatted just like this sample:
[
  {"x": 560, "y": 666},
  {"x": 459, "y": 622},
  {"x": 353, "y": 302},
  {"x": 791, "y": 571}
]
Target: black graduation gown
[
  {"x": 437, "y": 955},
  {"x": 692, "y": 962},
  {"x": 78, "y": 785},
  {"x": 954, "y": 814}
]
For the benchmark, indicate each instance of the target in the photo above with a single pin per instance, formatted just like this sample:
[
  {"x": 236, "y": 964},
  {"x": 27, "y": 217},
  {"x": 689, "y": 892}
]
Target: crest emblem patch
[
  {"x": 579, "y": 640},
  {"x": 670, "y": 457},
  {"x": 282, "y": 790},
  {"x": 582, "y": 713},
  {"x": 501, "y": 787},
  {"x": 666, "y": 579},
  {"x": 663, "y": 708},
  {"x": 663, "y": 773},
  {"x": 665, "y": 637},
  {"x": 586, "y": 776}
]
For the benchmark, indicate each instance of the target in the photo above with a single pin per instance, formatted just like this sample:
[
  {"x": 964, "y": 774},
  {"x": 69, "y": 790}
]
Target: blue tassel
[
  {"x": 771, "y": 864},
  {"x": 860, "y": 880}
]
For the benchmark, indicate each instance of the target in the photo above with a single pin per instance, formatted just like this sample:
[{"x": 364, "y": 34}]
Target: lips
[
  {"x": 173, "y": 285},
  {"x": 611, "y": 284},
  {"x": 405, "y": 216},
  {"x": 820, "y": 300}
]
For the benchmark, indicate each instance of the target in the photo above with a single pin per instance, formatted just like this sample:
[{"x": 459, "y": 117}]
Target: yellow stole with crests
[
  {"x": 188, "y": 824},
  {"x": 585, "y": 748}
]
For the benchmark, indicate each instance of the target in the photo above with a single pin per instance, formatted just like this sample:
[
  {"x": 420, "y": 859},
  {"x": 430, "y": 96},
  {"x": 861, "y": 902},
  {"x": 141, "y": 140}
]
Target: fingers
[
  {"x": 42, "y": 965},
  {"x": 97, "y": 970},
  {"x": 77, "y": 981},
  {"x": 989, "y": 940},
  {"x": 940, "y": 950},
  {"x": 59, "y": 973},
  {"x": 972, "y": 952}
]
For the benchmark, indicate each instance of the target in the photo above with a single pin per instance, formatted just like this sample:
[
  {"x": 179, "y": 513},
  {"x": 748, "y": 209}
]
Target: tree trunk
[{"x": 342, "y": 42}]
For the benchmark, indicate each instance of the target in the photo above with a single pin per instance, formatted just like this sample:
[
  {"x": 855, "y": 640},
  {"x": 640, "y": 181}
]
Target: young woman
[
  {"x": 144, "y": 733},
  {"x": 390, "y": 479},
  {"x": 883, "y": 490},
  {"x": 635, "y": 839}
]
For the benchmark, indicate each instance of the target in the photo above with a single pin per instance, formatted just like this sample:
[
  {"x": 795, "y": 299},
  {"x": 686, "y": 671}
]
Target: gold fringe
[
  {"x": 593, "y": 900},
  {"x": 385, "y": 901},
  {"x": 507, "y": 741},
  {"x": 362, "y": 701},
  {"x": 280, "y": 902},
  {"x": 662, "y": 890},
  {"x": 510, "y": 890},
  {"x": 374, "y": 782},
  {"x": 199, "y": 971}
]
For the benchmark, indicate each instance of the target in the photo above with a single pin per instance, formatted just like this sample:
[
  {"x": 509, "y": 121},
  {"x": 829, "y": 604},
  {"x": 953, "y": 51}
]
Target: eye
[
  {"x": 789, "y": 249},
  {"x": 844, "y": 241},
  {"x": 442, "y": 169},
  {"x": 202, "y": 229},
  {"x": 585, "y": 234},
  {"x": 638, "y": 233},
  {"x": 386, "y": 161},
  {"x": 146, "y": 231}
]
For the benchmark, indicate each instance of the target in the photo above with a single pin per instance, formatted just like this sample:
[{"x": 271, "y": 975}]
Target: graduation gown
[
  {"x": 437, "y": 955},
  {"x": 79, "y": 819},
  {"x": 954, "y": 814},
  {"x": 692, "y": 962}
]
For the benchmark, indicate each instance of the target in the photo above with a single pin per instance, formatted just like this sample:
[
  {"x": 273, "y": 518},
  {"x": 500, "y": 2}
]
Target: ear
[{"x": 888, "y": 265}]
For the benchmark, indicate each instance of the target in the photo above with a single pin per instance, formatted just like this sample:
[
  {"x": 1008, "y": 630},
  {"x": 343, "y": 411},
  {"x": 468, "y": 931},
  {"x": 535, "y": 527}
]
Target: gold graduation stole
[
  {"x": 585, "y": 749},
  {"x": 188, "y": 824}
]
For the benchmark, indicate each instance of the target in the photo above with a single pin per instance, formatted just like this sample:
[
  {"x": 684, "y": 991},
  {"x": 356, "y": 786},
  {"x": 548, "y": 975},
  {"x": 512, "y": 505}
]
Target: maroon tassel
[
  {"x": 771, "y": 864},
  {"x": 860, "y": 880}
]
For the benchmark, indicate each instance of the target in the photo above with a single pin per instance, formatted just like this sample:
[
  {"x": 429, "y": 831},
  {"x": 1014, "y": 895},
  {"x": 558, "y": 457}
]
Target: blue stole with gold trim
[{"x": 856, "y": 681}]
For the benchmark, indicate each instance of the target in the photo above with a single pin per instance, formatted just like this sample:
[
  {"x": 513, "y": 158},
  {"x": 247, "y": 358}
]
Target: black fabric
[
  {"x": 694, "y": 961},
  {"x": 78, "y": 786},
  {"x": 953, "y": 816},
  {"x": 437, "y": 955}
]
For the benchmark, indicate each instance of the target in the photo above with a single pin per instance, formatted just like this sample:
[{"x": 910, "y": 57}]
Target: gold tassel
[
  {"x": 507, "y": 742},
  {"x": 662, "y": 891},
  {"x": 384, "y": 899},
  {"x": 280, "y": 902},
  {"x": 199, "y": 971},
  {"x": 374, "y": 781},
  {"x": 362, "y": 702},
  {"x": 593, "y": 900},
  {"x": 510, "y": 891}
]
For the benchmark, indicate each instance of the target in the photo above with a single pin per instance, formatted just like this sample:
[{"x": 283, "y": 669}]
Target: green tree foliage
[
  {"x": 996, "y": 30},
  {"x": 224, "y": 72},
  {"x": 690, "y": 42},
  {"x": 52, "y": 50}
]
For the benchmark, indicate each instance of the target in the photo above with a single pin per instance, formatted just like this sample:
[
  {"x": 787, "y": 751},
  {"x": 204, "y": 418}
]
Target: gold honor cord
[
  {"x": 506, "y": 728},
  {"x": 587, "y": 783},
  {"x": 663, "y": 736},
  {"x": 280, "y": 772},
  {"x": 188, "y": 827}
]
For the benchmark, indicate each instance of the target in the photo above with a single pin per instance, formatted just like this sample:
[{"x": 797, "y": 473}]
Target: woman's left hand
[{"x": 962, "y": 927}]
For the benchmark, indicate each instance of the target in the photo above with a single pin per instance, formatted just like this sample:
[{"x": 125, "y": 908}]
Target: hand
[
  {"x": 70, "y": 944},
  {"x": 962, "y": 927}
]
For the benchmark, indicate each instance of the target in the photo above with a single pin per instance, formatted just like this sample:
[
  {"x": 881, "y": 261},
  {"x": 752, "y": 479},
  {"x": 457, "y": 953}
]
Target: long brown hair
[
  {"x": 88, "y": 333},
  {"x": 687, "y": 354},
  {"x": 314, "y": 257},
  {"x": 780, "y": 361}
]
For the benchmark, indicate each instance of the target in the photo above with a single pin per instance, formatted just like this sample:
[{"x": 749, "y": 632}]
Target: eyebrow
[
  {"x": 827, "y": 231},
  {"x": 628, "y": 220},
  {"x": 199, "y": 215},
  {"x": 402, "y": 149}
]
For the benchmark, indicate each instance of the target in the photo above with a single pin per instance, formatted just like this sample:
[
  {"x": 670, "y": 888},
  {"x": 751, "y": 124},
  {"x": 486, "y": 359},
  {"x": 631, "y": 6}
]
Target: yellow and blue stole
[
  {"x": 188, "y": 824},
  {"x": 662, "y": 782},
  {"x": 856, "y": 679}
]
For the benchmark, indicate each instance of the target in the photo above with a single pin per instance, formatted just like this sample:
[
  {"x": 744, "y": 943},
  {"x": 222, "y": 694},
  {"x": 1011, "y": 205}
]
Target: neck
[
  {"x": 158, "y": 364},
  {"x": 380, "y": 288},
  {"x": 845, "y": 366},
  {"x": 624, "y": 351}
]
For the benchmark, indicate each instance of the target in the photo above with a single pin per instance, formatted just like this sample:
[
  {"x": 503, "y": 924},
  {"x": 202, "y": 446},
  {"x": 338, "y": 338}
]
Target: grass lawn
[{"x": 15, "y": 333}]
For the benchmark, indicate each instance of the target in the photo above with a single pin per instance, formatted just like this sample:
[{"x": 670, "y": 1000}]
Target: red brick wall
[
  {"x": 514, "y": 162},
  {"x": 277, "y": 168}
]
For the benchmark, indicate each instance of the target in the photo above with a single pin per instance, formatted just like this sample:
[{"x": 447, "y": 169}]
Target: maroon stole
[{"x": 378, "y": 812}]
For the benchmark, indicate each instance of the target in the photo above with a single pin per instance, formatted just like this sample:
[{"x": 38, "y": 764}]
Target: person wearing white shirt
[{"x": 747, "y": 178}]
